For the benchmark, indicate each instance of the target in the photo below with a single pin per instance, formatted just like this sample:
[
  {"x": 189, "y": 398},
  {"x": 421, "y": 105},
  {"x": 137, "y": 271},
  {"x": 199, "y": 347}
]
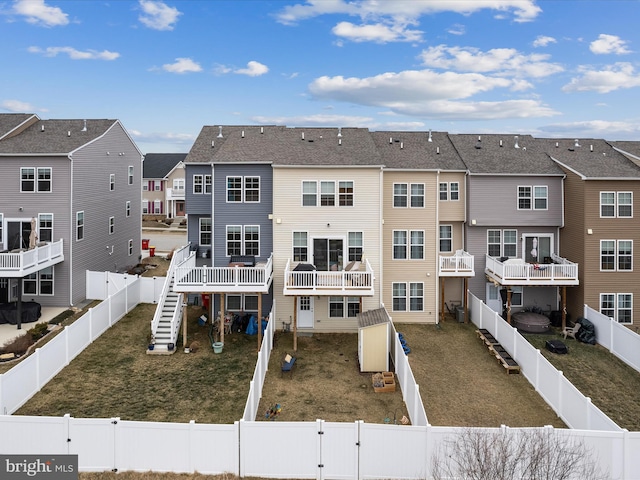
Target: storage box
[
  {"x": 383, "y": 382},
  {"x": 556, "y": 346}
]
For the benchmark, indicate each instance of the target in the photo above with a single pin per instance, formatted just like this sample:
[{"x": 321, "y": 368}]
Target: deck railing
[
  {"x": 518, "y": 272},
  {"x": 459, "y": 265},
  {"x": 22, "y": 262},
  {"x": 314, "y": 282}
]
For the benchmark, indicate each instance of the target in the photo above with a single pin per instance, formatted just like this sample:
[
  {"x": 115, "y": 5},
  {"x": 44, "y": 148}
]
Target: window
[
  {"x": 197, "y": 184},
  {"x": 524, "y": 198},
  {"x": 127, "y": 208},
  {"x": 300, "y": 247},
  {"x": 444, "y": 192},
  {"x": 44, "y": 179},
  {"x": 446, "y": 238},
  {"x": 79, "y": 225},
  {"x": 157, "y": 207},
  {"x": 540, "y": 198},
  {"x": 130, "y": 247},
  {"x": 516, "y": 296},
  {"x": 341, "y": 307},
  {"x": 234, "y": 189},
  {"x": 112, "y": 225},
  {"x": 616, "y": 204},
  {"x": 327, "y": 194},
  {"x": 345, "y": 193},
  {"x": 625, "y": 204},
  {"x": 309, "y": 194},
  {"x": 510, "y": 245},
  {"x": 494, "y": 244},
  {"x": 1, "y": 223},
  {"x": 158, "y": 186},
  {"x": 502, "y": 243},
  {"x": 145, "y": 206},
  {"x": 207, "y": 184},
  {"x": 204, "y": 232},
  {"x": 607, "y": 204},
  {"x": 145, "y": 187},
  {"x": 178, "y": 185},
  {"x": 112, "y": 182},
  {"x": 616, "y": 255},
  {"x": 252, "y": 189},
  {"x": 28, "y": 179},
  {"x": 400, "y": 195},
  {"x": 454, "y": 189},
  {"x": 45, "y": 227},
  {"x": 355, "y": 246},
  {"x": 252, "y": 240},
  {"x": 40, "y": 283},
  {"x": 130, "y": 175},
  {"x": 241, "y": 303},
  {"x": 234, "y": 240},
  {"x": 414, "y": 300},
  {"x": 417, "y": 195},
  {"x": 399, "y": 244},
  {"x": 417, "y": 245},
  {"x": 618, "y": 306}
]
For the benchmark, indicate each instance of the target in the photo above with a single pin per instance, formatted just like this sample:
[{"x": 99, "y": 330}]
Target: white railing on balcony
[
  {"x": 225, "y": 279},
  {"x": 515, "y": 271},
  {"x": 458, "y": 265},
  {"x": 175, "y": 193},
  {"x": 317, "y": 282},
  {"x": 20, "y": 263}
]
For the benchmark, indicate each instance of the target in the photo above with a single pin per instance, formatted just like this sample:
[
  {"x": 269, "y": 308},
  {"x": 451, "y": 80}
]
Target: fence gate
[{"x": 339, "y": 450}]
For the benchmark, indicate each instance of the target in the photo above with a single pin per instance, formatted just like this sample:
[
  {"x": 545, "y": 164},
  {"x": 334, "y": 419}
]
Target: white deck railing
[
  {"x": 459, "y": 265},
  {"x": 20, "y": 263},
  {"x": 320, "y": 282},
  {"x": 516, "y": 271}
]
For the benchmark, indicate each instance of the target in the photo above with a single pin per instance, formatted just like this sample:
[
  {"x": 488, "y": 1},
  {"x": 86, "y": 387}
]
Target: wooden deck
[{"x": 502, "y": 356}]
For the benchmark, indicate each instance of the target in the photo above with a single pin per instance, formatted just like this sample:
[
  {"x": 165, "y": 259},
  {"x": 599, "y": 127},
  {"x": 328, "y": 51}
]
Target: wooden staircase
[{"x": 163, "y": 332}]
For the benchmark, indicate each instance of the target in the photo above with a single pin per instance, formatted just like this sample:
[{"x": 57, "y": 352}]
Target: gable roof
[
  {"x": 283, "y": 146},
  {"x": 629, "y": 149},
  {"x": 10, "y": 122},
  {"x": 373, "y": 317},
  {"x": 159, "y": 165},
  {"x": 504, "y": 155},
  {"x": 592, "y": 159},
  {"x": 55, "y": 137},
  {"x": 417, "y": 150}
]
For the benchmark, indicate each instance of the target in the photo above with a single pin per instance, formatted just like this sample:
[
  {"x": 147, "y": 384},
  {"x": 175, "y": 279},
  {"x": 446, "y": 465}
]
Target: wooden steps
[{"x": 498, "y": 351}]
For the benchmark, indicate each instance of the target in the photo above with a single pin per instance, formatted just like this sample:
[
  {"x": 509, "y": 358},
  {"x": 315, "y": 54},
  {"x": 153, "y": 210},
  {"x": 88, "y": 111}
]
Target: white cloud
[
  {"x": 254, "y": 69},
  {"x": 457, "y": 29},
  {"x": 17, "y": 106},
  {"x": 39, "y": 13},
  {"x": 609, "y": 44},
  {"x": 594, "y": 129},
  {"x": 182, "y": 65},
  {"x": 377, "y": 32},
  {"x": 158, "y": 15},
  {"x": 427, "y": 93},
  {"x": 612, "y": 77},
  {"x": 315, "y": 120},
  {"x": 75, "y": 54},
  {"x": 543, "y": 41},
  {"x": 502, "y": 61}
]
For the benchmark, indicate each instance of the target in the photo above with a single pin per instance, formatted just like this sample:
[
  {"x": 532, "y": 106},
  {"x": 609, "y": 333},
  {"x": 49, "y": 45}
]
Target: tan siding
[{"x": 453, "y": 211}]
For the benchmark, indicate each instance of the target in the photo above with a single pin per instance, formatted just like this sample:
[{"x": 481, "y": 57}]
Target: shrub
[
  {"x": 39, "y": 331},
  {"x": 18, "y": 345}
]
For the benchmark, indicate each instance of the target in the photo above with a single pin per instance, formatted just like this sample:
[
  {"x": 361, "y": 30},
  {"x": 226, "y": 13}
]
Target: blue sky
[{"x": 165, "y": 68}]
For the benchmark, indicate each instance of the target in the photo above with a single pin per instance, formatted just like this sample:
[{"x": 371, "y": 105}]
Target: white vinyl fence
[
  {"x": 618, "y": 339},
  {"x": 100, "y": 285},
  {"x": 570, "y": 405}
]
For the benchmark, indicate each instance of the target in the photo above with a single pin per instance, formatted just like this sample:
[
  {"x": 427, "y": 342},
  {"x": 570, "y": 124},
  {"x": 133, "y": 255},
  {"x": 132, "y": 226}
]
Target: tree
[{"x": 509, "y": 454}]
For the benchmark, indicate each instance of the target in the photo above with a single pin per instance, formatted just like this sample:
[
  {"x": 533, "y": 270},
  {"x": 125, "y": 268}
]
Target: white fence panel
[
  {"x": 631, "y": 448},
  {"x": 393, "y": 451},
  {"x": 93, "y": 440},
  {"x": 97, "y": 285},
  {"x": 133, "y": 294},
  {"x": 622, "y": 342},
  {"x": 575, "y": 408},
  {"x": 78, "y": 336},
  {"x": 50, "y": 360},
  {"x": 118, "y": 305},
  {"x": 338, "y": 449},
  {"x": 214, "y": 448},
  {"x": 155, "y": 446},
  {"x": 150, "y": 289},
  {"x": 279, "y": 450},
  {"x": 18, "y": 385},
  {"x": 99, "y": 319},
  {"x": 33, "y": 435}
]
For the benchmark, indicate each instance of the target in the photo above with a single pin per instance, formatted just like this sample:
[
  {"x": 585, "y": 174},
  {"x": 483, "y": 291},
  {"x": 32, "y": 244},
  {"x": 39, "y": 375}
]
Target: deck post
[
  {"x": 564, "y": 308},
  {"x": 184, "y": 321},
  {"x": 295, "y": 323},
  {"x": 509, "y": 305},
  {"x": 259, "y": 320},
  {"x": 442, "y": 279},
  {"x": 223, "y": 314},
  {"x": 466, "y": 299}
]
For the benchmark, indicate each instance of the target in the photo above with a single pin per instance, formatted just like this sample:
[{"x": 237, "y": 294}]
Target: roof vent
[
  {"x": 339, "y": 142},
  {"x": 213, "y": 143},
  {"x": 479, "y": 144},
  {"x": 576, "y": 144},
  {"x": 429, "y": 139},
  {"x": 516, "y": 145},
  {"x": 84, "y": 126},
  {"x": 261, "y": 130},
  {"x": 68, "y": 133},
  {"x": 591, "y": 148},
  {"x": 302, "y": 136},
  {"x": 220, "y": 131},
  {"x": 500, "y": 143},
  {"x": 242, "y": 133},
  {"x": 390, "y": 140},
  {"x": 339, "y": 131},
  {"x": 556, "y": 144},
  {"x": 42, "y": 128},
  {"x": 401, "y": 145},
  {"x": 437, "y": 150}
]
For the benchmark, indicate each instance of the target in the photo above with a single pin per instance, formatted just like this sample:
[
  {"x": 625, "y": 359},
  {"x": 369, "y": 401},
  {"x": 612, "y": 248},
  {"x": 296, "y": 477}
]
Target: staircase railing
[{"x": 179, "y": 256}]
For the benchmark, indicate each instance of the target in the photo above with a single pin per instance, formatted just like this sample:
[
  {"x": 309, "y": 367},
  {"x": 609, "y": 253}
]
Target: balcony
[
  {"x": 458, "y": 265},
  {"x": 21, "y": 262},
  {"x": 231, "y": 279},
  {"x": 346, "y": 283},
  {"x": 175, "y": 193},
  {"x": 515, "y": 271}
]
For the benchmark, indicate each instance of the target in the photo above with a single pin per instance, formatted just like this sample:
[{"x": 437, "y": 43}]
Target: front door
[
  {"x": 305, "y": 312},
  {"x": 180, "y": 208},
  {"x": 493, "y": 300},
  {"x": 327, "y": 254}
]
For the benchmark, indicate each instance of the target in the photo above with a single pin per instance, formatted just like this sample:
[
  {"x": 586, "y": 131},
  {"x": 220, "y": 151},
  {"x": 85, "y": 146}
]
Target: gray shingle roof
[
  {"x": 497, "y": 154},
  {"x": 10, "y": 121},
  {"x": 413, "y": 150},
  {"x": 55, "y": 136},
  {"x": 632, "y": 150},
  {"x": 373, "y": 317},
  {"x": 594, "y": 158},
  {"x": 159, "y": 165},
  {"x": 285, "y": 146}
]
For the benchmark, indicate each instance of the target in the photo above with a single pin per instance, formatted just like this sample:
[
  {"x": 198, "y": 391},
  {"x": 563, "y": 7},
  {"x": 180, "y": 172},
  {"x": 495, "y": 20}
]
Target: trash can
[
  {"x": 152, "y": 251},
  {"x": 145, "y": 244},
  {"x": 460, "y": 314}
]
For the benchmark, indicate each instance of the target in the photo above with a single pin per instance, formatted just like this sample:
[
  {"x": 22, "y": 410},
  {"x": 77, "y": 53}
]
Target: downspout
[
  {"x": 72, "y": 226},
  {"x": 437, "y": 246},
  {"x": 381, "y": 234}
]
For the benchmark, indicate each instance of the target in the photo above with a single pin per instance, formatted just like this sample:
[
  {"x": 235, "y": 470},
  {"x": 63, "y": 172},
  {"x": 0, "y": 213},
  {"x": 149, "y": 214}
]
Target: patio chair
[
  {"x": 287, "y": 365},
  {"x": 571, "y": 331}
]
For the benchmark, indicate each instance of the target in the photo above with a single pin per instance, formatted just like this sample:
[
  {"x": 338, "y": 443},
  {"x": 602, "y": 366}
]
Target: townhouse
[
  {"x": 601, "y": 232},
  {"x": 70, "y": 202},
  {"x": 163, "y": 185}
]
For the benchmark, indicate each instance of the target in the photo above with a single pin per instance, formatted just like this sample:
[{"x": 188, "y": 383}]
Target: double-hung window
[
  {"x": 35, "y": 179},
  {"x": 454, "y": 191},
  {"x": 417, "y": 245},
  {"x": 27, "y": 179},
  {"x": 79, "y": 225},
  {"x": 112, "y": 225},
  {"x": 45, "y": 227},
  {"x": 252, "y": 240},
  {"x": 446, "y": 238},
  {"x": 625, "y": 204},
  {"x": 616, "y": 204},
  {"x": 345, "y": 193},
  {"x": 300, "y": 247},
  {"x": 112, "y": 181},
  {"x": 540, "y": 196},
  {"x": 252, "y": 189},
  {"x": 309, "y": 194},
  {"x": 400, "y": 192},
  {"x": 618, "y": 306},
  {"x": 204, "y": 231},
  {"x": 417, "y": 195},
  {"x": 234, "y": 240},
  {"x": 408, "y": 297},
  {"x": 444, "y": 191},
  {"x": 502, "y": 243},
  {"x": 344, "y": 307},
  {"x": 399, "y": 244},
  {"x": 355, "y": 244},
  {"x": 234, "y": 189},
  {"x": 145, "y": 206},
  {"x": 524, "y": 198},
  {"x": 130, "y": 247},
  {"x": 44, "y": 179},
  {"x": 130, "y": 175},
  {"x": 327, "y": 193},
  {"x": 198, "y": 184},
  {"x": 127, "y": 208},
  {"x": 207, "y": 184},
  {"x": 616, "y": 255}
]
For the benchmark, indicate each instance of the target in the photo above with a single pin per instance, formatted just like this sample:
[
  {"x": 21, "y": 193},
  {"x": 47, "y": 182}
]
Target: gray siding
[
  {"x": 197, "y": 205},
  {"x": 92, "y": 165}
]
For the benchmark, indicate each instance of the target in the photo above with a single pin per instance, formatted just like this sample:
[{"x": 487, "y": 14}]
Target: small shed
[{"x": 374, "y": 332}]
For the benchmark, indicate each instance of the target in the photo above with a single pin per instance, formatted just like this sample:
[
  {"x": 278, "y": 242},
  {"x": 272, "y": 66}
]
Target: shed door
[{"x": 305, "y": 312}]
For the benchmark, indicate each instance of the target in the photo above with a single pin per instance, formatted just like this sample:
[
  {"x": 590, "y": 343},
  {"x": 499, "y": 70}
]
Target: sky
[{"x": 166, "y": 68}]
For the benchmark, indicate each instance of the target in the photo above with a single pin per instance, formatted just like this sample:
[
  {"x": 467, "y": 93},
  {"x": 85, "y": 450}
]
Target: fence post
[
  {"x": 588, "y": 414},
  {"x": 560, "y": 409},
  {"x": 91, "y": 322},
  {"x": 192, "y": 424},
  {"x": 37, "y": 354},
  {"x": 538, "y": 356}
]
